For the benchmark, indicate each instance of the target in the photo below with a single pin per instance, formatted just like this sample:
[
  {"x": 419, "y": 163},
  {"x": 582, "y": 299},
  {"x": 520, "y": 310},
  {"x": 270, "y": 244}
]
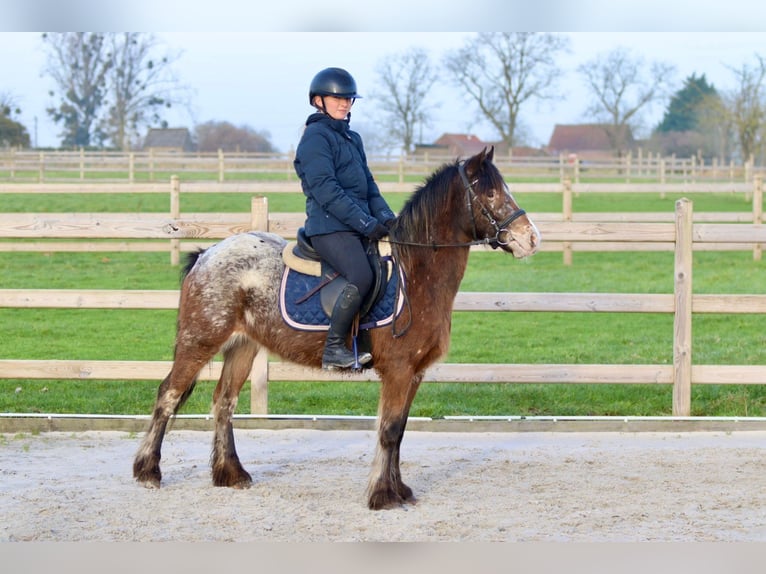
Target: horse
[{"x": 228, "y": 304}]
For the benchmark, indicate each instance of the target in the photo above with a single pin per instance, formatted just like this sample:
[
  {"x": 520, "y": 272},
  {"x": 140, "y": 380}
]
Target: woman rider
[{"x": 344, "y": 207}]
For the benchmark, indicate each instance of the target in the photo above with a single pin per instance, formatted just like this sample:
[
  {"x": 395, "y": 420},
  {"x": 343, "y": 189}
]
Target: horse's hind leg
[
  {"x": 386, "y": 489},
  {"x": 238, "y": 356},
  {"x": 172, "y": 393}
]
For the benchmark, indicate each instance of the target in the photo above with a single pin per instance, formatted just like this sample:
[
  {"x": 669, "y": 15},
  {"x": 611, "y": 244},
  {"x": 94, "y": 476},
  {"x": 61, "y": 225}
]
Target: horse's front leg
[
  {"x": 385, "y": 488},
  {"x": 238, "y": 356}
]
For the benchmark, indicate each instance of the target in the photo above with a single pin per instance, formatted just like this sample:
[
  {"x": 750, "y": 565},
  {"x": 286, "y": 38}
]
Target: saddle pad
[{"x": 308, "y": 315}]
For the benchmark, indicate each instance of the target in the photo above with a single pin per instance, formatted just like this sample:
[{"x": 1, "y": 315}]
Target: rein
[{"x": 470, "y": 196}]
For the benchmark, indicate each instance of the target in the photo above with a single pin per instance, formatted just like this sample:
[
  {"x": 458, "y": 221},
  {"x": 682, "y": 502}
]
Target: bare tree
[
  {"x": 407, "y": 78},
  {"x": 502, "y": 71},
  {"x": 8, "y": 105},
  {"x": 142, "y": 86},
  {"x": 623, "y": 87},
  {"x": 746, "y": 108},
  {"x": 79, "y": 64}
]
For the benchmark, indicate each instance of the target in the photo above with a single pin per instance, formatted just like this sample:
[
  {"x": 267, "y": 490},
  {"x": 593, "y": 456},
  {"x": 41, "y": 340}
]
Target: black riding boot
[{"x": 336, "y": 355}]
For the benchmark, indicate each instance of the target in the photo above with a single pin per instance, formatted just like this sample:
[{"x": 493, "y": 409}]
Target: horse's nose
[{"x": 534, "y": 236}]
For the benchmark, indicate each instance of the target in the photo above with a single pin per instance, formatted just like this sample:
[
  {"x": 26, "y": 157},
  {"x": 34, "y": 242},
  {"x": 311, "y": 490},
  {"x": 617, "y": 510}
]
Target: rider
[{"x": 344, "y": 207}]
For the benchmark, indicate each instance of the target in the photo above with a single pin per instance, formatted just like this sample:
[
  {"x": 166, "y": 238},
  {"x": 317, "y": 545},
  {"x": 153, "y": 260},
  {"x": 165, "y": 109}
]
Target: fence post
[
  {"x": 220, "y": 166},
  {"x": 757, "y": 212},
  {"x": 566, "y": 212},
  {"x": 561, "y": 167},
  {"x": 682, "y": 322},
  {"x": 131, "y": 167},
  {"x": 82, "y": 164},
  {"x": 41, "y": 168},
  {"x": 259, "y": 383},
  {"x": 175, "y": 213},
  {"x": 259, "y": 214}
]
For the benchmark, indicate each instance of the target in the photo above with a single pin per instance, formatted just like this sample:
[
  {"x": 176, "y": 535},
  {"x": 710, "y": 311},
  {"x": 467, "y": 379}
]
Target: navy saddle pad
[{"x": 308, "y": 315}]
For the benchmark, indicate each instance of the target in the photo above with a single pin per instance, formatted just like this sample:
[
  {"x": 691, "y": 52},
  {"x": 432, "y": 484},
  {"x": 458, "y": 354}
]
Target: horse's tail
[{"x": 191, "y": 261}]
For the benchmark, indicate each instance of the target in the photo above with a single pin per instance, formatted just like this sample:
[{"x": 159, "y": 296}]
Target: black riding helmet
[{"x": 333, "y": 82}]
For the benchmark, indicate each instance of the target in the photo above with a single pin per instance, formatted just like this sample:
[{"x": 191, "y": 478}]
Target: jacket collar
[{"x": 341, "y": 126}]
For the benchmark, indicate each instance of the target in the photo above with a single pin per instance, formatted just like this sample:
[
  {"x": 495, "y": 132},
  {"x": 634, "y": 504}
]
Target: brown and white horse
[{"x": 229, "y": 303}]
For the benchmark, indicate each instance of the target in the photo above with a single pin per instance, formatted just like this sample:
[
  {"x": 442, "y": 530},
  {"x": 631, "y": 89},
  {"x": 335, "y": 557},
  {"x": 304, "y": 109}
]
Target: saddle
[{"x": 310, "y": 287}]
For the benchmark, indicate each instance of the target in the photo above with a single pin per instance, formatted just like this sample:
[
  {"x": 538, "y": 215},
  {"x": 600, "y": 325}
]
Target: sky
[{"x": 260, "y": 78}]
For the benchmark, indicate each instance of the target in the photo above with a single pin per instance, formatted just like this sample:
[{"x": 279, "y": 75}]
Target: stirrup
[{"x": 349, "y": 361}]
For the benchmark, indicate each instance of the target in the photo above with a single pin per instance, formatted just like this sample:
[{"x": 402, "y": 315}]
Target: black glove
[
  {"x": 389, "y": 223},
  {"x": 378, "y": 232}
]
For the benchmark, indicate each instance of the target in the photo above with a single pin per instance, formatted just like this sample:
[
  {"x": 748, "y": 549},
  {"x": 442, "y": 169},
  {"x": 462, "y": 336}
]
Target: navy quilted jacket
[{"x": 341, "y": 194}]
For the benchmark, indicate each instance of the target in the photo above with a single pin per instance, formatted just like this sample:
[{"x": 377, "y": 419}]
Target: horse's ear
[{"x": 474, "y": 163}]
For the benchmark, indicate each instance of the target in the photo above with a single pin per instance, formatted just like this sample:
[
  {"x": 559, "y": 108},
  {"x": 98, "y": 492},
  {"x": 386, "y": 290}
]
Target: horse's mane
[{"x": 428, "y": 199}]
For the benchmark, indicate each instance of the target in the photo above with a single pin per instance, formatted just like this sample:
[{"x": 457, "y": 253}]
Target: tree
[
  {"x": 212, "y": 136},
  {"x": 746, "y": 108},
  {"x": 141, "y": 87},
  {"x": 686, "y": 106},
  {"x": 110, "y": 85},
  {"x": 79, "y": 64},
  {"x": 693, "y": 123},
  {"x": 623, "y": 87},
  {"x": 407, "y": 79},
  {"x": 12, "y": 133},
  {"x": 502, "y": 71}
]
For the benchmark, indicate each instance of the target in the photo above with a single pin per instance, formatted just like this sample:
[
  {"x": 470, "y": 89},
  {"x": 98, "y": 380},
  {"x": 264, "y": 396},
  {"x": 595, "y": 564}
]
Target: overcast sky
[{"x": 261, "y": 78}]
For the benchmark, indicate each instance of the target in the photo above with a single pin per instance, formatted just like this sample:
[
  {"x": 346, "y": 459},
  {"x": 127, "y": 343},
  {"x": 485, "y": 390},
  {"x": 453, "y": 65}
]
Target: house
[
  {"x": 452, "y": 145},
  {"x": 465, "y": 145},
  {"x": 173, "y": 140},
  {"x": 589, "y": 141}
]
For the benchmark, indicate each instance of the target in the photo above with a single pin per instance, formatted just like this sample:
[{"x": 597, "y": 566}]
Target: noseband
[{"x": 501, "y": 227}]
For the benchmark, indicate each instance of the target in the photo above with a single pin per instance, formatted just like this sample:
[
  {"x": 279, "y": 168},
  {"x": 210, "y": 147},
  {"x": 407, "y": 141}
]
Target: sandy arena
[{"x": 309, "y": 487}]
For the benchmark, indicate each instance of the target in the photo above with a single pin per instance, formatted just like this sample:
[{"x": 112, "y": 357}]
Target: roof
[
  {"x": 168, "y": 138},
  {"x": 582, "y": 137},
  {"x": 461, "y": 145}
]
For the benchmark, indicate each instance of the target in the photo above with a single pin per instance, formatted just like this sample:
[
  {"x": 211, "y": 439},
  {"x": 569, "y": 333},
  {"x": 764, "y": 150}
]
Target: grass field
[{"x": 477, "y": 337}]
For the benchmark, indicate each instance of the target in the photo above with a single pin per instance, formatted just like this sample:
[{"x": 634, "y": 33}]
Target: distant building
[
  {"x": 173, "y": 140},
  {"x": 461, "y": 145},
  {"x": 465, "y": 145},
  {"x": 588, "y": 141}
]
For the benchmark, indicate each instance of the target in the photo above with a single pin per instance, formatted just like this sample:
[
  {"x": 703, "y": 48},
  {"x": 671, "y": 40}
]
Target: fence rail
[
  {"x": 681, "y": 235},
  {"x": 598, "y": 228},
  {"x": 52, "y": 166}
]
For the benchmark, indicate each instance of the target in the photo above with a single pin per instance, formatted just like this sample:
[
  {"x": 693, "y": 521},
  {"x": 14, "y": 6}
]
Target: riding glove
[{"x": 378, "y": 232}]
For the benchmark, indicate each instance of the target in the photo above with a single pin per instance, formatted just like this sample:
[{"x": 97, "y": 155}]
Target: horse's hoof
[
  {"x": 385, "y": 500},
  {"x": 242, "y": 484},
  {"x": 148, "y": 478},
  {"x": 150, "y": 484},
  {"x": 237, "y": 478}
]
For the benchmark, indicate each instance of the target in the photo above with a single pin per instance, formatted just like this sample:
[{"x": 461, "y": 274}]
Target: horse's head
[{"x": 496, "y": 217}]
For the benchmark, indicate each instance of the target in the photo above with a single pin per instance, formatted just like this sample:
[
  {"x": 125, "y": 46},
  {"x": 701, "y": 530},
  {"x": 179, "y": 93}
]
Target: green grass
[{"x": 500, "y": 337}]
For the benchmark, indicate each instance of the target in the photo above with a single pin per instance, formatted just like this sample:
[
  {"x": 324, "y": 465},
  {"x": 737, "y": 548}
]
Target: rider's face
[{"x": 335, "y": 107}]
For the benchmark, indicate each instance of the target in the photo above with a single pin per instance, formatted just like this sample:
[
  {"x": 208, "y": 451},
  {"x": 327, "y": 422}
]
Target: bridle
[{"x": 470, "y": 197}]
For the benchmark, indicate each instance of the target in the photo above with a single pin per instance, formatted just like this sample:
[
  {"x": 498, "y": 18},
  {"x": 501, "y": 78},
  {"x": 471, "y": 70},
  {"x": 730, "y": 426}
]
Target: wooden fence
[
  {"x": 681, "y": 233},
  {"x": 130, "y": 167},
  {"x": 202, "y": 227}
]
